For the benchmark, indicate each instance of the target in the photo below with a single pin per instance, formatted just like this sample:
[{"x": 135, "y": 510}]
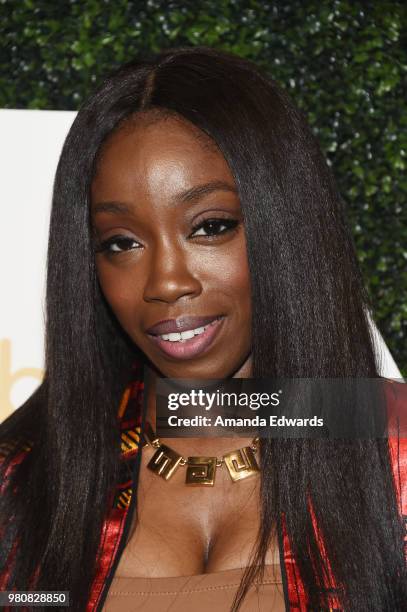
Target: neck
[{"x": 152, "y": 374}]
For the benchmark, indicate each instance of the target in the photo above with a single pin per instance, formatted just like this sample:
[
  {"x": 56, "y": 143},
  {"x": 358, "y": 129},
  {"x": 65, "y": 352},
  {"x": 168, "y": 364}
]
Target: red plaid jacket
[{"x": 117, "y": 524}]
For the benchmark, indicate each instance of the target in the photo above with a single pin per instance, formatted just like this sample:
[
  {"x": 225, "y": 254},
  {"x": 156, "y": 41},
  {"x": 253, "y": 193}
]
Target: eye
[
  {"x": 214, "y": 227},
  {"x": 116, "y": 244}
]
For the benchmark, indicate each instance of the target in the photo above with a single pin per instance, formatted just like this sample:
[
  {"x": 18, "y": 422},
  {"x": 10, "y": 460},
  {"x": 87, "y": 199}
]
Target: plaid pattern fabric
[{"x": 117, "y": 523}]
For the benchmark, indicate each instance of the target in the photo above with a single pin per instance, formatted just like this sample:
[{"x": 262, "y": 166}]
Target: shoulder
[
  {"x": 396, "y": 392},
  {"x": 12, "y": 454},
  {"x": 396, "y": 396},
  {"x": 396, "y": 403},
  {"x": 14, "y": 449},
  {"x": 19, "y": 433}
]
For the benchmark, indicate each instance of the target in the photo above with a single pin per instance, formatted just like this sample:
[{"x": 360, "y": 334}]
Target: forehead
[{"x": 152, "y": 152}]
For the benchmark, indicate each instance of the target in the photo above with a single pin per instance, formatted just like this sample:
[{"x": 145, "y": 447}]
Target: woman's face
[{"x": 171, "y": 251}]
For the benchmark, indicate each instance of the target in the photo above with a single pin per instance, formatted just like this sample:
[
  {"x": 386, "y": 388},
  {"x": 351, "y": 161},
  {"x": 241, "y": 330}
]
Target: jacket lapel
[{"x": 117, "y": 524}]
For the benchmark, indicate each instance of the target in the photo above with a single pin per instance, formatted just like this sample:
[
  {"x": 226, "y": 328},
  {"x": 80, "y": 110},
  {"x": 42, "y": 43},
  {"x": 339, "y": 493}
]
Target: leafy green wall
[{"x": 343, "y": 62}]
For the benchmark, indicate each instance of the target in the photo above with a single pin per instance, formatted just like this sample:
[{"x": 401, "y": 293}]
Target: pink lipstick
[{"x": 186, "y": 337}]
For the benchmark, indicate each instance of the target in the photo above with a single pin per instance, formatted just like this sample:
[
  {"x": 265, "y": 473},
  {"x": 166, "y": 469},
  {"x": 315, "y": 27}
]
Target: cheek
[
  {"x": 119, "y": 292},
  {"x": 236, "y": 276},
  {"x": 227, "y": 276},
  {"x": 237, "y": 279},
  {"x": 241, "y": 284}
]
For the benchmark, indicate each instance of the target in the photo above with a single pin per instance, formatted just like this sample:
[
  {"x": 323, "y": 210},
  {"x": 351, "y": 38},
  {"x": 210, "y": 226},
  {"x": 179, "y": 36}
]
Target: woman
[{"x": 192, "y": 196}]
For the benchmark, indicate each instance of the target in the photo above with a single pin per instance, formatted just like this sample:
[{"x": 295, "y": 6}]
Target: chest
[{"x": 181, "y": 530}]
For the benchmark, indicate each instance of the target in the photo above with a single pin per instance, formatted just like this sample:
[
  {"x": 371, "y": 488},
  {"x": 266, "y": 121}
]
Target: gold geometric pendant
[
  {"x": 201, "y": 471},
  {"x": 241, "y": 463},
  {"x": 164, "y": 462}
]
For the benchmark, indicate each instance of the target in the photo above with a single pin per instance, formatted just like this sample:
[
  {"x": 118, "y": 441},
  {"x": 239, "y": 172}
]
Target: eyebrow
[
  {"x": 198, "y": 192},
  {"x": 184, "y": 197}
]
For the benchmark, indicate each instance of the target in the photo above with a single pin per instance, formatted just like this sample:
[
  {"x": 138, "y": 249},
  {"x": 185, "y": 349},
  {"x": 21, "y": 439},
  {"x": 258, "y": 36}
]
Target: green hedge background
[{"x": 343, "y": 62}]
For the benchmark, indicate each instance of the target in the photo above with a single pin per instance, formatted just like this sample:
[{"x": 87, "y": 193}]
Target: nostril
[{"x": 171, "y": 292}]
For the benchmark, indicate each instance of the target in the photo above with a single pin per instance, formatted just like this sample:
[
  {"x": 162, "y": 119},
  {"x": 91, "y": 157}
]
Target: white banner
[{"x": 30, "y": 145}]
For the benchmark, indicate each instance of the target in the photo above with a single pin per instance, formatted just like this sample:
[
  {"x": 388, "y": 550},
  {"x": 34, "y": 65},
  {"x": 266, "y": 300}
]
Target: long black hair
[{"x": 309, "y": 320}]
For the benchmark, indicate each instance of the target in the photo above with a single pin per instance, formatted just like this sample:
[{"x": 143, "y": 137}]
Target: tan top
[{"x": 199, "y": 593}]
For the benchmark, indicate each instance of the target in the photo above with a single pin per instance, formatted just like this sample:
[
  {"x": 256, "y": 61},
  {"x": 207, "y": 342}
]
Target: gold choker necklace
[{"x": 240, "y": 463}]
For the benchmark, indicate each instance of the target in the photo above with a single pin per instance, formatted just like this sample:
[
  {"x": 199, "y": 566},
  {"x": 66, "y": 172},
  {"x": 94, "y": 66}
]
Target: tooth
[
  {"x": 185, "y": 335},
  {"x": 174, "y": 337}
]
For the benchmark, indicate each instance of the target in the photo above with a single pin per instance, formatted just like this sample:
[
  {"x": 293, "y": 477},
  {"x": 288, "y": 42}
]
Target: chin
[{"x": 188, "y": 369}]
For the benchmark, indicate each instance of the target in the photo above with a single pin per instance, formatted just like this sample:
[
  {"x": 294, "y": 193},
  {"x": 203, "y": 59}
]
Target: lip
[
  {"x": 187, "y": 349},
  {"x": 180, "y": 324}
]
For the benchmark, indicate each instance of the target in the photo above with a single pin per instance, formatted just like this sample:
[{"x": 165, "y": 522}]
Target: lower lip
[{"x": 189, "y": 348}]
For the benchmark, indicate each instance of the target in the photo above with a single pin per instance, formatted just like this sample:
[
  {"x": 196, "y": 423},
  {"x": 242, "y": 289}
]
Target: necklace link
[{"x": 201, "y": 471}]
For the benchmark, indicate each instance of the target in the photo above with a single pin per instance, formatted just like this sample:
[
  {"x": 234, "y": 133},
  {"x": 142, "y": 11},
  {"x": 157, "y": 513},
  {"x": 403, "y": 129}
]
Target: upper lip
[{"x": 180, "y": 324}]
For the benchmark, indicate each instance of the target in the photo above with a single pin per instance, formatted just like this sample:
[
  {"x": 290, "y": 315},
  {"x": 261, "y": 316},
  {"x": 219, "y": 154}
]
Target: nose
[{"x": 171, "y": 276}]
